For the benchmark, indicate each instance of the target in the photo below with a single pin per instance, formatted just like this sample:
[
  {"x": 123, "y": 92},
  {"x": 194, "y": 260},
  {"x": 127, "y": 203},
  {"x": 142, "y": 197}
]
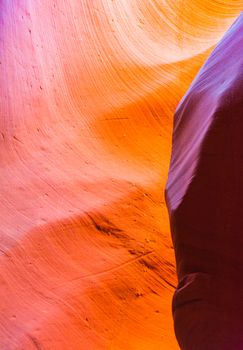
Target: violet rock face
[{"x": 204, "y": 195}]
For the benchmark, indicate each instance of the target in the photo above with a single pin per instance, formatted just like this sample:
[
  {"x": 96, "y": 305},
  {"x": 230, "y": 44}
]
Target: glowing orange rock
[{"x": 88, "y": 89}]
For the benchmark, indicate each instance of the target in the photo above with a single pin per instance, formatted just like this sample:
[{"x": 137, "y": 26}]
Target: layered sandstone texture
[
  {"x": 88, "y": 89},
  {"x": 204, "y": 195}
]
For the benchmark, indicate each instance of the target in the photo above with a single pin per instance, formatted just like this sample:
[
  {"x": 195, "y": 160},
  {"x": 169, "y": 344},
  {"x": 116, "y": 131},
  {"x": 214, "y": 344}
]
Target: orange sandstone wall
[{"x": 88, "y": 91}]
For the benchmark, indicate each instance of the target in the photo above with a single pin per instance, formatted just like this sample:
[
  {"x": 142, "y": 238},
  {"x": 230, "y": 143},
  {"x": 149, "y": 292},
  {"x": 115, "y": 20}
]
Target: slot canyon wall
[
  {"x": 204, "y": 196},
  {"x": 88, "y": 92}
]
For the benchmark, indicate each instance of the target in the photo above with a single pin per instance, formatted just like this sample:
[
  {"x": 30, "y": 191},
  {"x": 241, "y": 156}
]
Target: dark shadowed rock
[{"x": 204, "y": 196}]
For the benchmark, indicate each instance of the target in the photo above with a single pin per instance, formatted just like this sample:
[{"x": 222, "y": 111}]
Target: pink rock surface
[
  {"x": 88, "y": 90},
  {"x": 204, "y": 195}
]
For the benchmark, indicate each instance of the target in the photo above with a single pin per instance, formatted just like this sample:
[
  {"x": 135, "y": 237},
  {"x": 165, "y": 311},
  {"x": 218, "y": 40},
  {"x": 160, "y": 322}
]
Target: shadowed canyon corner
[
  {"x": 204, "y": 195},
  {"x": 88, "y": 93}
]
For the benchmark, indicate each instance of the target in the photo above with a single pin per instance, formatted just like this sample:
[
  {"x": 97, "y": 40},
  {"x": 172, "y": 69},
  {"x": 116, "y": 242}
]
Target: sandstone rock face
[
  {"x": 88, "y": 89},
  {"x": 204, "y": 195}
]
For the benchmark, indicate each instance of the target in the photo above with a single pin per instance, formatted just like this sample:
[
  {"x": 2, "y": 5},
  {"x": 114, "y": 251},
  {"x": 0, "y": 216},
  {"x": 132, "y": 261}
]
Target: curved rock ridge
[
  {"x": 87, "y": 93},
  {"x": 204, "y": 194}
]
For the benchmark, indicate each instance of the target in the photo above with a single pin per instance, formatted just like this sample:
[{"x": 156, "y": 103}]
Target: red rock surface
[
  {"x": 88, "y": 91},
  {"x": 204, "y": 196}
]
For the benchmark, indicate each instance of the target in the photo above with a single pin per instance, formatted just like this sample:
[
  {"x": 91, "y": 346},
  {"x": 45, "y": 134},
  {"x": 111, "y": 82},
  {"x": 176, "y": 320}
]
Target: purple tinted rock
[{"x": 204, "y": 195}]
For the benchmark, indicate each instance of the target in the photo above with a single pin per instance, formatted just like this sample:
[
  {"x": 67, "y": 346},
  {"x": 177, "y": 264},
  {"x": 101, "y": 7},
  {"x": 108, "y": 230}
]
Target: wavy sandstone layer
[
  {"x": 88, "y": 90},
  {"x": 204, "y": 195}
]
